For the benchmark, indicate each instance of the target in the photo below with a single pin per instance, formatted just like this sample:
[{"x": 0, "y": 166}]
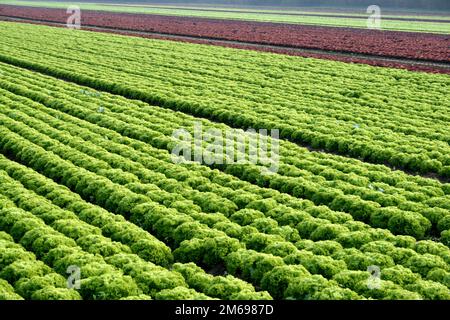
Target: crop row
[
  {"x": 429, "y": 290},
  {"x": 151, "y": 279},
  {"x": 406, "y": 223},
  {"x": 349, "y": 58},
  {"x": 238, "y": 261},
  {"x": 115, "y": 153},
  {"x": 218, "y": 196},
  {"x": 206, "y": 246},
  {"x": 214, "y": 193},
  {"x": 29, "y": 277},
  {"x": 206, "y": 251},
  {"x": 253, "y": 27},
  {"x": 108, "y": 144},
  {"x": 380, "y": 174},
  {"x": 142, "y": 161},
  {"x": 36, "y": 137},
  {"x": 370, "y": 132},
  {"x": 419, "y": 113},
  {"x": 101, "y": 280}
]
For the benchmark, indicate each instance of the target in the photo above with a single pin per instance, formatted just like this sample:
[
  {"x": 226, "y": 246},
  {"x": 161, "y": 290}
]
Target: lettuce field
[
  {"x": 403, "y": 22},
  {"x": 430, "y": 51},
  {"x": 358, "y": 208}
]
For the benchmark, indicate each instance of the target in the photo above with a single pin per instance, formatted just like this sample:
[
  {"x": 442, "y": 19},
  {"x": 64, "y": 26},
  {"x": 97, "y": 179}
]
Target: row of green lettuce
[
  {"x": 227, "y": 208},
  {"x": 373, "y": 114},
  {"x": 423, "y": 212},
  {"x": 178, "y": 229},
  {"x": 47, "y": 231},
  {"x": 209, "y": 248},
  {"x": 222, "y": 204}
]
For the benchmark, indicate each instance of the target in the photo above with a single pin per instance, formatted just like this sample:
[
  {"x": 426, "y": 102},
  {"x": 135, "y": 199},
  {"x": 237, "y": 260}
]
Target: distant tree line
[{"x": 400, "y": 4}]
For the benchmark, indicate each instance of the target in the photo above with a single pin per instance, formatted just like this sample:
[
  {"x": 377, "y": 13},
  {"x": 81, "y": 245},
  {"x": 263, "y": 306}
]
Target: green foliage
[
  {"x": 180, "y": 293},
  {"x": 402, "y": 294},
  {"x": 351, "y": 278},
  {"x": 5, "y": 236},
  {"x": 250, "y": 295},
  {"x": 23, "y": 269},
  {"x": 444, "y": 223},
  {"x": 74, "y": 229},
  {"x": 280, "y": 249},
  {"x": 434, "y": 248},
  {"x": 108, "y": 286},
  {"x": 357, "y": 260},
  {"x": 277, "y": 280},
  {"x": 445, "y": 237},
  {"x": 430, "y": 290},
  {"x": 97, "y": 244},
  {"x": 265, "y": 225},
  {"x": 189, "y": 230},
  {"x": 231, "y": 229},
  {"x": 251, "y": 265},
  {"x": 45, "y": 243},
  {"x": 218, "y": 216},
  {"x": 382, "y": 247},
  {"x": 354, "y": 239},
  {"x": 422, "y": 264},
  {"x": 156, "y": 280},
  {"x": 20, "y": 228},
  {"x": 439, "y": 275},
  {"x": 306, "y": 288},
  {"x": 139, "y": 297},
  {"x": 264, "y": 205},
  {"x": 223, "y": 287},
  {"x": 246, "y": 216},
  {"x": 400, "y": 275},
  {"x": 49, "y": 293},
  {"x": 325, "y": 248},
  {"x": 7, "y": 291},
  {"x": 336, "y": 293},
  {"x": 316, "y": 264},
  {"x": 10, "y": 255},
  {"x": 27, "y": 286},
  {"x": 261, "y": 241},
  {"x": 209, "y": 251},
  {"x": 327, "y": 232},
  {"x": 153, "y": 251},
  {"x": 384, "y": 290},
  {"x": 409, "y": 224},
  {"x": 405, "y": 241}
]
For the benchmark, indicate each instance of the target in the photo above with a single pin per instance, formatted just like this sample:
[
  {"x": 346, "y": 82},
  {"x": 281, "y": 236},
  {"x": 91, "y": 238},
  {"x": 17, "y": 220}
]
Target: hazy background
[{"x": 387, "y": 4}]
